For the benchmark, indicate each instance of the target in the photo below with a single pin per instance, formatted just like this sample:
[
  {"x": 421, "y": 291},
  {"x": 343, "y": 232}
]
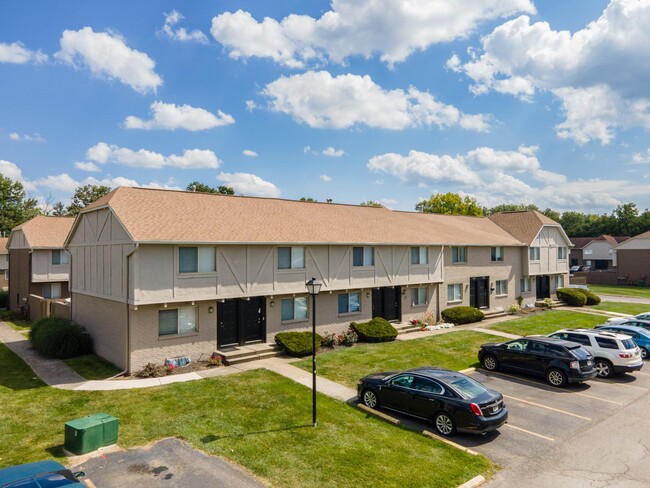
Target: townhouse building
[
  {"x": 40, "y": 265},
  {"x": 596, "y": 252},
  {"x": 4, "y": 264},
  {"x": 157, "y": 274}
]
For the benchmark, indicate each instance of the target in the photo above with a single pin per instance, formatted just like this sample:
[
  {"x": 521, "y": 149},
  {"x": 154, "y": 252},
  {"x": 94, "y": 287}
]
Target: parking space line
[
  {"x": 597, "y": 398},
  {"x": 623, "y": 384},
  {"x": 529, "y": 432},
  {"x": 547, "y": 407},
  {"x": 641, "y": 372}
]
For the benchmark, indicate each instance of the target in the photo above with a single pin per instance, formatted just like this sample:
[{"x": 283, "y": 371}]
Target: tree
[
  {"x": 84, "y": 196},
  {"x": 203, "y": 188},
  {"x": 15, "y": 207},
  {"x": 450, "y": 204},
  {"x": 510, "y": 207},
  {"x": 58, "y": 210},
  {"x": 552, "y": 214},
  {"x": 308, "y": 199},
  {"x": 627, "y": 220},
  {"x": 371, "y": 203}
]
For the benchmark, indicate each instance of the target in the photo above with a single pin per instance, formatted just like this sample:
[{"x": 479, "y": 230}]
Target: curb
[
  {"x": 381, "y": 415},
  {"x": 476, "y": 481},
  {"x": 468, "y": 370},
  {"x": 451, "y": 443}
]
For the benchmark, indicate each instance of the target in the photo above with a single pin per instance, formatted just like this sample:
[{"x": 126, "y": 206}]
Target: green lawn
[
  {"x": 622, "y": 291},
  {"x": 258, "y": 419},
  {"x": 92, "y": 367},
  {"x": 13, "y": 321},
  {"x": 547, "y": 322},
  {"x": 621, "y": 307},
  {"x": 453, "y": 350}
]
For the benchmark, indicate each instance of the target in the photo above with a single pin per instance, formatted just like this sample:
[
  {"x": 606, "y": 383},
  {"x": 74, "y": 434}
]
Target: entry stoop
[
  {"x": 253, "y": 352},
  {"x": 406, "y": 328},
  {"x": 493, "y": 313}
]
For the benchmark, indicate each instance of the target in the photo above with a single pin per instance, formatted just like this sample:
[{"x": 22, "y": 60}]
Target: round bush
[
  {"x": 571, "y": 296},
  {"x": 592, "y": 298},
  {"x": 297, "y": 344},
  {"x": 462, "y": 315},
  {"x": 58, "y": 338},
  {"x": 376, "y": 330}
]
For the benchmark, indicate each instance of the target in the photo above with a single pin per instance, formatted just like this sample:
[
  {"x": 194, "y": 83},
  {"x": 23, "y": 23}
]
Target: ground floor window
[
  {"x": 52, "y": 290},
  {"x": 559, "y": 281},
  {"x": 349, "y": 302},
  {"x": 177, "y": 321},
  {"x": 501, "y": 287},
  {"x": 524, "y": 285},
  {"x": 420, "y": 296},
  {"x": 294, "y": 309},
  {"x": 455, "y": 292}
]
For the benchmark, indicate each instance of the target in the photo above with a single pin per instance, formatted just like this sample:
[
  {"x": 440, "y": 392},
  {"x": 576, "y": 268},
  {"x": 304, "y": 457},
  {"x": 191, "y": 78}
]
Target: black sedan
[
  {"x": 451, "y": 400},
  {"x": 557, "y": 360}
]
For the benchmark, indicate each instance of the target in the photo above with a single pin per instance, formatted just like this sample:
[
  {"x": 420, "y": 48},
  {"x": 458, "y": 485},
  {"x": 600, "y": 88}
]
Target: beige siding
[
  {"x": 44, "y": 271},
  {"x": 18, "y": 240},
  {"x": 599, "y": 250},
  {"x": 548, "y": 240},
  {"x": 479, "y": 263},
  {"x": 635, "y": 243}
]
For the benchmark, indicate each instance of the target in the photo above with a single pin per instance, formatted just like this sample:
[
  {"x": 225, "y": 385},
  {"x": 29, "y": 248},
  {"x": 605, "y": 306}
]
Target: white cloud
[
  {"x": 250, "y": 105},
  {"x": 333, "y": 153},
  {"x": 323, "y": 101},
  {"x": 641, "y": 158},
  {"x": 523, "y": 159},
  {"x": 15, "y": 136},
  {"x": 391, "y": 29},
  {"x": 169, "y": 116},
  {"x": 249, "y": 153},
  {"x": 180, "y": 33},
  {"x": 11, "y": 170},
  {"x": 90, "y": 167},
  {"x": 103, "y": 153},
  {"x": 63, "y": 182},
  {"x": 17, "y": 53},
  {"x": 598, "y": 73},
  {"x": 106, "y": 55},
  {"x": 325, "y": 178},
  {"x": 249, "y": 184}
]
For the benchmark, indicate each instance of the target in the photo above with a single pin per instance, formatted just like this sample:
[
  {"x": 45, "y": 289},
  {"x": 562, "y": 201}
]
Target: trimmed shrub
[
  {"x": 376, "y": 330},
  {"x": 58, "y": 338},
  {"x": 462, "y": 315},
  {"x": 571, "y": 296},
  {"x": 297, "y": 344},
  {"x": 4, "y": 299},
  {"x": 592, "y": 298}
]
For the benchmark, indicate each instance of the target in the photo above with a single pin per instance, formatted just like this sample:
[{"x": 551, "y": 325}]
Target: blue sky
[{"x": 508, "y": 101}]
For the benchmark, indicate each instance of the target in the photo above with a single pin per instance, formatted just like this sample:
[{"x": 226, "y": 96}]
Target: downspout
[
  {"x": 442, "y": 269},
  {"x": 128, "y": 311}
]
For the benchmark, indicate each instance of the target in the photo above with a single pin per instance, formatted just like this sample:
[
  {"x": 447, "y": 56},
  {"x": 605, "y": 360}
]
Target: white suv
[{"x": 613, "y": 353}]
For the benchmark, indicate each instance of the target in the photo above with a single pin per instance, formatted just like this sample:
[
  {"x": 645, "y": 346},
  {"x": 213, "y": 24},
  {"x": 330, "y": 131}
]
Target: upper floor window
[
  {"x": 458, "y": 254},
  {"x": 497, "y": 254},
  {"x": 349, "y": 302},
  {"x": 291, "y": 257},
  {"x": 501, "y": 287},
  {"x": 587, "y": 252},
  {"x": 294, "y": 309},
  {"x": 363, "y": 256},
  {"x": 533, "y": 253},
  {"x": 561, "y": 252},
  {"x": 419, "y": 255},
  {"x": 60, "y": 257},
  {"x": 455, "y": 292},
  {"x": 420, "y": 295},
  {"x": 177, "y": 321},
  {"x": 197, "y": 259}
]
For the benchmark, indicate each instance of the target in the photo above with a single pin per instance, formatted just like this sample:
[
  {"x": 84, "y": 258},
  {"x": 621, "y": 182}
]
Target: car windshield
[
  {"x": 628, "y": 344},
  {"x": 467, "y": 388},
  {"x": 579, "y": 352}
]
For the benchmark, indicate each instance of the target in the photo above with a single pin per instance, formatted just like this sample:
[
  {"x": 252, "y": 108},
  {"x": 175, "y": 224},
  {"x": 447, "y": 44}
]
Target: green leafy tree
[
  {"x": 552, "y": 214},
  {"x": 58, "y": 210},
  {"x": 307, "y": 199},
  {"x": 510, "y": 207},
  {"x": 450, "y": 204},
  {"x": 84, "y": 196},
  {"x": 627, "y": 219},
  {"x": 15, "y": 206},
  {"x": 371, "y": 203},
  {"x": 203, "y": 188}
]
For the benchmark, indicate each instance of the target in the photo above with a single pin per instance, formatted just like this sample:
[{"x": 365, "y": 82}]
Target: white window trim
[
  {"x": 294, "y": 320},
  {"x": 62, "y": 252},
  {"x": 196, "y": 273},
  {"x": 539, "y": 253},
  {"x": 530, "y": 286},
  {"x": 499, "y": 254},
  {"x": 178, "y": 334},
  {"x": 364, "y": 265},
  {"x": 426, "y": 296},
  {"x": 291, "y": 268},
  {"x": 423, "y": 252},
  {"x": 455, "y": 300},
  {"x": 496, "y": 287}
]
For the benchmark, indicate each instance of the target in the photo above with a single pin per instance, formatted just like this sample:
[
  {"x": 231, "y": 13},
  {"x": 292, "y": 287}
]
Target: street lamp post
[{"x": 313, "y": 287}]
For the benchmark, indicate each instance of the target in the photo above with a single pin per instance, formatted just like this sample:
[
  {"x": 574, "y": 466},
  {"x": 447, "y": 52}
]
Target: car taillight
[
  {"x": 476, "y": 409},
  {"x": 574, "y": 365},
  {"x": 626, "y": 354}
]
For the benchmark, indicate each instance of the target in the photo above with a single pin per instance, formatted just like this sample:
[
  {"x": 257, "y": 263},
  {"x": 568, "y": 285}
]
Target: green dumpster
[{"x": 87, "y": 434}]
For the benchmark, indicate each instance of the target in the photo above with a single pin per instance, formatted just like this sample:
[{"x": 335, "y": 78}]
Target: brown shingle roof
[
  {"x": 523, "y": 225},
  {"x": 3, "y": 245},
  {"x": 152, "y": 215},
  {"x": 46, "y": 232},
  {"x": 580, "y": 242}
]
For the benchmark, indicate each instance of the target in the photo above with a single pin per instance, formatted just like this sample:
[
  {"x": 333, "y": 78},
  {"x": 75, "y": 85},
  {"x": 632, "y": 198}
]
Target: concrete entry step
[
  {"x": 494, "y": 312},
  {"x": 406, "y": 328},
  {"x": 253, "y": 352}
]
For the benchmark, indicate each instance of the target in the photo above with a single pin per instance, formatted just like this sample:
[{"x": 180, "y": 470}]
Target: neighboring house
[
  {"x": 597, "y": 252},
  {"x": 39, "y": 263},
  {"x": 545, "y": 259},
  {"x": 4, "y": 264},
  {"x": 633, "y": 257},
  {"x": 158, "y": 274}
]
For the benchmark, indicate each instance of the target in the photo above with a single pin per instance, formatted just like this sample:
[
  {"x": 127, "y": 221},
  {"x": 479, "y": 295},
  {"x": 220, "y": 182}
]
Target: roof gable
[
  {"x": 44, "y": 232},
  {"x": 525, "y": 225}
]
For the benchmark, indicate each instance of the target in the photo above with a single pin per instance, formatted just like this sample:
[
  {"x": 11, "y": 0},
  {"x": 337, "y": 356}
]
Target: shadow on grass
[{"x": 212, "y": 438}]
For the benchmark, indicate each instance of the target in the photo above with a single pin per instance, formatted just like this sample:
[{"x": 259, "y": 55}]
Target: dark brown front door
[
  {"x": 386, "y": 303},
  {"x": 543, "y": 285},
  {"x": 241, "y": 321},
  {"x": 479, "y": 292}
]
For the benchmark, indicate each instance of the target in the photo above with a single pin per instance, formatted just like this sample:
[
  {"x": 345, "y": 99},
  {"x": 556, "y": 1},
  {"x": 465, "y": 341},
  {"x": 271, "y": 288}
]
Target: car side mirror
[{"x": 503, "y": 346}]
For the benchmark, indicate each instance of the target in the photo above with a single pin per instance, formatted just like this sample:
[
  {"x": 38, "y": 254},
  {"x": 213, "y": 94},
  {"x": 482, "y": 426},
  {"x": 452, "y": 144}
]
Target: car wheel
[
  {"x": 491, "y": 363},
  {"x": 604, "y": 368},
  {"x": 555, "y": 377},
  {"x": 644, "y": 353},
  {"x": 370, "y": 399},
  {"x": 444, "y": 424}
]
